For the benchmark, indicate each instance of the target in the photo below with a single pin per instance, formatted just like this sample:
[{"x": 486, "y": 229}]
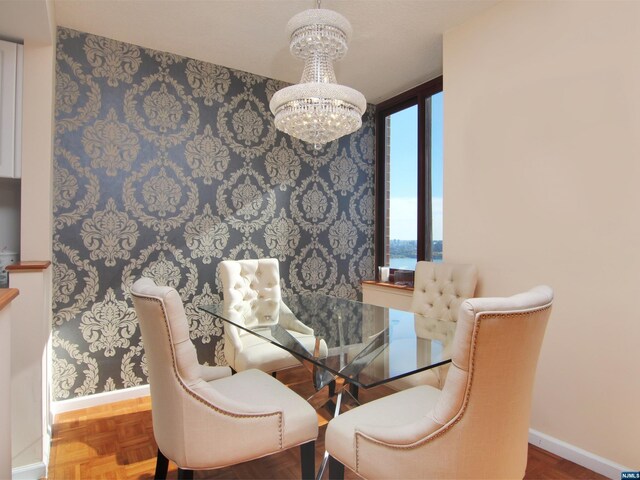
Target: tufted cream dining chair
[
  {"x": 251, "y": 287},
  {"x": 477, "y": 426},
  {"x": 439, "y": 289},
  {"x": 204, "y": 418}
]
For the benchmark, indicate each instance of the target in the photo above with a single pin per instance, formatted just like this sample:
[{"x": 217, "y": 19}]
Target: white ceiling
[{"x": 396, "y": 45}]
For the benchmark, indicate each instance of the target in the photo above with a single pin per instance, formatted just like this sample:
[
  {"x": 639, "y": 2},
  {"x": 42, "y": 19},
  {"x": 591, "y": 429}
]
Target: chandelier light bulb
[{"x": 318, "y": 110}]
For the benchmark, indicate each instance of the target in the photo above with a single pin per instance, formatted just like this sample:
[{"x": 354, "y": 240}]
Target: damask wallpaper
[{"x": 164, "y": 166}]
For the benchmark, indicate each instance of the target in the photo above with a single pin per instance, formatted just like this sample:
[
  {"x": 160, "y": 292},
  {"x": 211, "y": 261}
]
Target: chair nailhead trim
[
  {"x": 198, "y": 397},
  {"x": 440, "y": 432}
]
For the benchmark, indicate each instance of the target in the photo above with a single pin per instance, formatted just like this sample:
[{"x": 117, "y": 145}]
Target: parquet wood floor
[{"x": 115, "y": 441}]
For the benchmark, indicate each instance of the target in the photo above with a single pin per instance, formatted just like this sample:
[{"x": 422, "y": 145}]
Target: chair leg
[
  {"x": 308, "y": 460},
  {"x": 354, "y": 390},
  {"x": 332, "y": 388},
  {"x": 162, "y": 466},
  {"x": 185, "y": 474},
  {"x": 336, "y": 469}
]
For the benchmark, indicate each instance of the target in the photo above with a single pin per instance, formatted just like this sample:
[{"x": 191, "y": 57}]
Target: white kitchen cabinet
[{"x": 10, "y": 109}]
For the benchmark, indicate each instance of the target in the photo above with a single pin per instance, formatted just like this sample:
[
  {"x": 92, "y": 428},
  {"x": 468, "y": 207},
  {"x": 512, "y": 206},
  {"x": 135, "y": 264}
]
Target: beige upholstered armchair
[
  {"x": 477, "y": 426},
  {"x": 438, "y": 291},
  {"x": 251, "y": 288},
  {"x": 204, "y": 418}
]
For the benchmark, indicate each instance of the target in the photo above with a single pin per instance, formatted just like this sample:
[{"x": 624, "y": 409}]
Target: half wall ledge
[
  {"x": 7, "y": 295},
  {"x": 31, "y": 265}
]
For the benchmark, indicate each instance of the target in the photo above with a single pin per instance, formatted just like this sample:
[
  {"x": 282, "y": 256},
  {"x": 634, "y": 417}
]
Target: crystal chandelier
[{"x": 318, "y": 110}]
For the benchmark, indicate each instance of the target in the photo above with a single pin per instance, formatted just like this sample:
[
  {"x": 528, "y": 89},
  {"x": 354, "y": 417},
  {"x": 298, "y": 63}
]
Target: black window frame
[{"x": 415, "y": 96}]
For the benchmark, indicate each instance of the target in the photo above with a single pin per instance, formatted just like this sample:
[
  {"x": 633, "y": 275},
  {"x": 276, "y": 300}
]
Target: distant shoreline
[{"x": 409, "y": 263}]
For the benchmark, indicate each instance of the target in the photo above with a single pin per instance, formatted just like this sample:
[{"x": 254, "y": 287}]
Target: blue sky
[{"x": 404, "y": 184}]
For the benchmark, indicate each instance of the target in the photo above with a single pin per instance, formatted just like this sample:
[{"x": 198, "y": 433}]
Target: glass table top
[{"x": 365, "y": 344}]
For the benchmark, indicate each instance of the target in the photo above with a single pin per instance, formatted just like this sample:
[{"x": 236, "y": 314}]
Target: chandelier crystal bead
[{"x": 318, "y": 110}]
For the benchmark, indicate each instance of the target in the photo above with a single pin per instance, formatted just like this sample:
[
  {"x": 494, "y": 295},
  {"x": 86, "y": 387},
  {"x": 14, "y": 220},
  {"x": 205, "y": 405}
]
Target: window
[{"x": 409, "y": 178}]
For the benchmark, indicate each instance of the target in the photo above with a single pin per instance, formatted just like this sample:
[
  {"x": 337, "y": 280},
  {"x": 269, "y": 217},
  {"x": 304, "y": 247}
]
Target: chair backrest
[
  {"x": 440, "y": 288},
  {"x": 485, "y": 406},
  {"x": 171, "y": 360},
  {"x": 249, "y": 286},
  {"x": 196, "y": 423}
]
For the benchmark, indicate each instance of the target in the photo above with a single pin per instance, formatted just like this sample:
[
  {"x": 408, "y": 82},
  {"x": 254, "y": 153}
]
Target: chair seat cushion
[
  {"x": 262, "y": 355},
  {"x": 397, "y": 410},
  {"x": 300, "y": 422}
]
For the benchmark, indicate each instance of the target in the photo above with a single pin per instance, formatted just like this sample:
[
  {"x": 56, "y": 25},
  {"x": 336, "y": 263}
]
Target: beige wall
[
  {"x": 5, "y": 391},
  {"x": 30, "y": 335},
  {"x": 542, "y": 185},
  {"x": 30, "y": 330},
  {"x": 37, "y": 167}
]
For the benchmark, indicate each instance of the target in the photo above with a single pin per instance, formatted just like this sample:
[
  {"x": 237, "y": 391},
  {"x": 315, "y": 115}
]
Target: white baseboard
[
  {"x": 46, "y": 449},
  {"x": 87, "y": 401},
  {"x": 34, "y": 471},
  {"x": 577, "y": 455}
]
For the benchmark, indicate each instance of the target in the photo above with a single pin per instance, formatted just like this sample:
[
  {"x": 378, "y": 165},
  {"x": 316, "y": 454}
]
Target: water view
[{"x": 404, "y": 253}]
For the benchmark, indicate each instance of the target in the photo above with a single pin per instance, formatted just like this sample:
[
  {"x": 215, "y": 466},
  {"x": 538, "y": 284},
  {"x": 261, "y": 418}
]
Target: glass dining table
[
  {"x": 357, "y": 345},
  {"x": 362, "y": 344}
]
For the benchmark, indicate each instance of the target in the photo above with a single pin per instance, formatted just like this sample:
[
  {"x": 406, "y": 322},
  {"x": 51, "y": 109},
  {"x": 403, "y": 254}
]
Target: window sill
[{"x": 388, "y": 285}]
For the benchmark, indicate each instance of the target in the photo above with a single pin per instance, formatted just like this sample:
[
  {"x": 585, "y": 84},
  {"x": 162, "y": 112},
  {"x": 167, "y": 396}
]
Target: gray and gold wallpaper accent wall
[{"x": 164, "y": 166}]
